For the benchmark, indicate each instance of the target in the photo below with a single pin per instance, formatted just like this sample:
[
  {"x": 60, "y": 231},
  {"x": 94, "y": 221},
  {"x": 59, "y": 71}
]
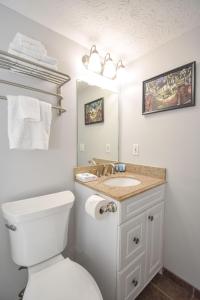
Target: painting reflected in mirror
[{"x": 94, "y": 111}]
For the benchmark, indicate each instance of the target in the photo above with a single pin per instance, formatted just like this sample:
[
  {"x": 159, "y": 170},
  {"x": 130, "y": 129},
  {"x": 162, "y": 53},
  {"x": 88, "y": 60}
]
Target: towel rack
[
  {"x": 59, "y": 108},
  {"x": 26, "y": 67}
]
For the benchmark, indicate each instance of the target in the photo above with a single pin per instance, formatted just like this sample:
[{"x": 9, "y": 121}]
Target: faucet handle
[
  {"x": 113, "y": 168},
  {"x": 105, "y": 170}
]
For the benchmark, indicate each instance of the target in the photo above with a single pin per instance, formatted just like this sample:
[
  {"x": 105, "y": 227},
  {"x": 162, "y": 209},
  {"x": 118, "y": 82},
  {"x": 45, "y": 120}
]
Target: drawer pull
[
  {"x": 136, "y": 240},
  {"x": 150, "y": 218},
  {"x": 135, "y": 282}
]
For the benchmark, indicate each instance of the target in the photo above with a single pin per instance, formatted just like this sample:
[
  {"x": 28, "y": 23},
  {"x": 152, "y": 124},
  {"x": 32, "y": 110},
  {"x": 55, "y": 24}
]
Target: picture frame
[
  {"x": 173, "y": 89},
  {"x": 94, "y": 112}
]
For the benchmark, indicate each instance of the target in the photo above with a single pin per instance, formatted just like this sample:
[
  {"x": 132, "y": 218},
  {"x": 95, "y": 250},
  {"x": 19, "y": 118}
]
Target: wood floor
[{"x": 164, "y": 288}]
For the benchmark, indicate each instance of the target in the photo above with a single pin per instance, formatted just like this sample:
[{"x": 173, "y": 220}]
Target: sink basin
[{"x": 122, "y": 181}]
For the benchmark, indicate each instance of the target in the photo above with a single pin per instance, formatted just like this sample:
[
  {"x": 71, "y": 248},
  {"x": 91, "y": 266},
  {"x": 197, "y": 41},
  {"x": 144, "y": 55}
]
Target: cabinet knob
[
  {"x": 134, "y": 282},
  {"x": 150, "y": 218},
  {"x": 136, "y": 240}
]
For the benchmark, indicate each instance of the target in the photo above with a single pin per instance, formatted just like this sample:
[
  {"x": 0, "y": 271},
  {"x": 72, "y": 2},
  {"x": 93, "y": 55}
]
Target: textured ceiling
[{"x": 127, "y": 28}]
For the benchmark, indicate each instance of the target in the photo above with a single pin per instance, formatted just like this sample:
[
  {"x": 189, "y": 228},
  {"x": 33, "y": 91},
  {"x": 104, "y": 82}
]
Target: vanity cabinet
[{"x": 123, "y": 250}]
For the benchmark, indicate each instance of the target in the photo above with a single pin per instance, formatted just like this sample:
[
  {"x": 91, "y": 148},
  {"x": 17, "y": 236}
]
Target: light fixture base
[{"x": 85, "y": 60}]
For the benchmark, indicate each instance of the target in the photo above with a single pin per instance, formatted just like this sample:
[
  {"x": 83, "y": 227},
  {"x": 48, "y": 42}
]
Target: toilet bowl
[
  {"x": 62, "y": 281},
  {"x": 38, "y": 234}
]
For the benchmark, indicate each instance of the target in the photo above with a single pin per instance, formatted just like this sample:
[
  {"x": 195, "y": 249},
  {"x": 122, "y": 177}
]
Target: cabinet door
[
  {"x": 132, "y": 240},
  {"x": 154, "y": 252}
]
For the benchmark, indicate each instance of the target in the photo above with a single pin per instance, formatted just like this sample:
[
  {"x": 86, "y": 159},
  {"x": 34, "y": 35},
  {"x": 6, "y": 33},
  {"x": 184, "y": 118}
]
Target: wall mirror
[{"x": 98, "y": 123}]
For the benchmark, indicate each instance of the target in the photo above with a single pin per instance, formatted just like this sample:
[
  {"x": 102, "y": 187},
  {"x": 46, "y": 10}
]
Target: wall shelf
[{"x": 26, "y": 67}]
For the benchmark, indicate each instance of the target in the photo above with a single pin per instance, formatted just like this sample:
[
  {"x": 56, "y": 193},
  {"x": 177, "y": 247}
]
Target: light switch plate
[
  {"x": 107, "y": 148},
  {"x": 135, "y": 149},
  {"x": 82, "y": 147}
]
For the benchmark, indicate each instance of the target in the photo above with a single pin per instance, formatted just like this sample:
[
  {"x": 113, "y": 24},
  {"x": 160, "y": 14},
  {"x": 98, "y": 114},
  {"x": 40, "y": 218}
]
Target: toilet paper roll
[{"x": 93, "y": 205}]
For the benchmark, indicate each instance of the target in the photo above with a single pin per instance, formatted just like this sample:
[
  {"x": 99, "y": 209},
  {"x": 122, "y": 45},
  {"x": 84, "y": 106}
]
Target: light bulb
[
  {"x": 109, "y": 69},
  {"x": 94, "y": 64},
  {"x": 120, "y": 71}
]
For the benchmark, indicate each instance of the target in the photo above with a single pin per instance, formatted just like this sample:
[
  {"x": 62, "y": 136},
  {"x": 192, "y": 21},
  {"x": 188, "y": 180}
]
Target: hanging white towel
[
  {"x": 24, "y": 133},
  {"x": 29, "y": 108}
]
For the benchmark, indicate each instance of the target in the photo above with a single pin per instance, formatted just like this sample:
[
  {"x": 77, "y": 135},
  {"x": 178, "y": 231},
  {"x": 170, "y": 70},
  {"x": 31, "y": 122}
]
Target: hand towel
[
  {"x": 34, "y": 54},
  {"x": 25, "y": 41},
  {"x": 49, "y": 60},
  {"x": 27, "y": 51},
  {"x": 29, "y": 108},
  {"x": 24, "y": 133},
  {"x": 16, "y": 53}
]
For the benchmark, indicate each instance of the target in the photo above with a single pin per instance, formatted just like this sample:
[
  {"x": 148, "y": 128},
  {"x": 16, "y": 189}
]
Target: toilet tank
[{"x": 38, "y": 227}]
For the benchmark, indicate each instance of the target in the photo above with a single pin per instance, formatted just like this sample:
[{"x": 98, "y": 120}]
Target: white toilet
[{"x": 38, "y": 234}]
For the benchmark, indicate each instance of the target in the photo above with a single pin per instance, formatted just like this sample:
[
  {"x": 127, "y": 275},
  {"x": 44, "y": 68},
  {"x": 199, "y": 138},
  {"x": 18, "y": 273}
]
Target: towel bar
[
  {"x": 23, "y": 66},
  {"x": 59, "y": 108}
]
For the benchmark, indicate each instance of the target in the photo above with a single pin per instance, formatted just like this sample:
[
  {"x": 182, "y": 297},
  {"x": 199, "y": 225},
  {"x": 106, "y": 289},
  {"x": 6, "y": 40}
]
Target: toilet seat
[{"x": 64, "y": 280}]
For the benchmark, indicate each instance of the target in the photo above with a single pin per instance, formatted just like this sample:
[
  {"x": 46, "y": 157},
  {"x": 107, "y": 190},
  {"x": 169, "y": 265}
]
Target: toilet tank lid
[{"x": 27, "y": 209}]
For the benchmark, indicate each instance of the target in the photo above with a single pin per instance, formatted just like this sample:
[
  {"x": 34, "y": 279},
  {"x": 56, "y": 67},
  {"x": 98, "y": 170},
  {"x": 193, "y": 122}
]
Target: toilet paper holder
[{"x": 110, "y": 207}]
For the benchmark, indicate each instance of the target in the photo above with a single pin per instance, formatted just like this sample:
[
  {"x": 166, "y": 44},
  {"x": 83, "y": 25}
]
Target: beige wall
[{"x": 169, "y": 139}]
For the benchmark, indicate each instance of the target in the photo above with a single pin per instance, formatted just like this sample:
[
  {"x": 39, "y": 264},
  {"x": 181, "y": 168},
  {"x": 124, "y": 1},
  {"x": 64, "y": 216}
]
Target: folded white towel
[
  {"x": 24, "y": 133},
  {"x": 16, "y": 53},
  {"x": 34, "y": 54},
  {"x": 24, "y": 41},
  {"x": 29, "y": 108},
  {"x": 49, "y": 60},
  {"x": 27, "y": 51}
]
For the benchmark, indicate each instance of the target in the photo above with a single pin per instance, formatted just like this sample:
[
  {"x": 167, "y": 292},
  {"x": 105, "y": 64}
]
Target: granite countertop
[{"x": 122, "y": 193}]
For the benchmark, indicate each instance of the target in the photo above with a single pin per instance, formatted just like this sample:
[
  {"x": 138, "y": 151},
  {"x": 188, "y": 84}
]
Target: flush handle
[
  {"x": 135, "y": 282},
  {"x": 151, "y": 218},
  {"x": 11, "y": 227},
  {"x": 136, "y": 240}
]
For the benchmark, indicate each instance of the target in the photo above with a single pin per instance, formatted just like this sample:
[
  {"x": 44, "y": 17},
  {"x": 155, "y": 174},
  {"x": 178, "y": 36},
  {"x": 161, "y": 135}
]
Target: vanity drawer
[
  {"x": 131, "y": 280},
  {"x": 134, "y": 206},
  {"x": 132, "y": 236}
]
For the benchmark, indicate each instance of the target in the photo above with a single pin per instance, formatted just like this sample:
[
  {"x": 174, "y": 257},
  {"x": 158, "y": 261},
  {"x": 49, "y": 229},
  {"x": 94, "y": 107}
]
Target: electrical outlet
[
  {"x": 135, "y": 149},
  {"x": 107, "y": 148}
]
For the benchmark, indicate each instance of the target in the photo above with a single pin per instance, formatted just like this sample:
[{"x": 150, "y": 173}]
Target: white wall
[
  {"x": 30, "y": 173},
  {"x": 96, "y": 136},
  {"x": 169, "y": 139}
]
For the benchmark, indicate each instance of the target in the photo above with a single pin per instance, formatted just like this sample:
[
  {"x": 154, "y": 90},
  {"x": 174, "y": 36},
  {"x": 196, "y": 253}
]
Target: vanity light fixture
[
  {"x": 93, "y": 62},
  {"x": 109, "y": 68}
]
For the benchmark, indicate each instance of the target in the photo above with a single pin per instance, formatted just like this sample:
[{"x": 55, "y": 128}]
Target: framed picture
[
  {"x": 171, "y": 90},
  {"x": 94, "y": 111}
]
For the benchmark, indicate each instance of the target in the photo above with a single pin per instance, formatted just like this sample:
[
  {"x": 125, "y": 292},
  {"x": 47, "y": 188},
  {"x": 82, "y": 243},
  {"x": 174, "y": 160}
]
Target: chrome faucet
[
  {"x": 92, "y": 162},
  {"x": 109, "y": 169}
]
